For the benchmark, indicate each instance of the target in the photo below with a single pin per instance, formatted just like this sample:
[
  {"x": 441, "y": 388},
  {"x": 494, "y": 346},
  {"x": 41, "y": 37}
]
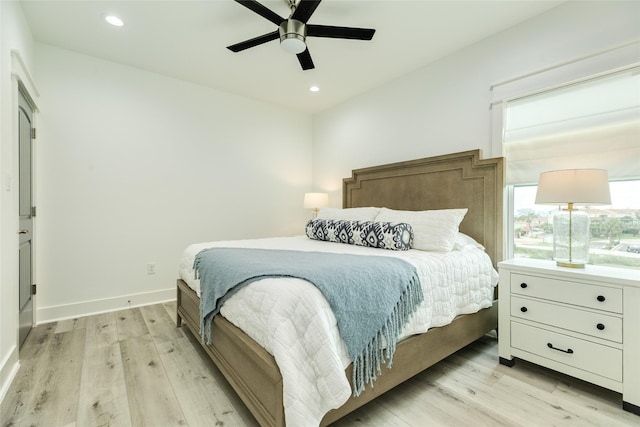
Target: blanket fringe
[
  {"x": 367, "y": 365},
  {"x": 205, "y": 321}
]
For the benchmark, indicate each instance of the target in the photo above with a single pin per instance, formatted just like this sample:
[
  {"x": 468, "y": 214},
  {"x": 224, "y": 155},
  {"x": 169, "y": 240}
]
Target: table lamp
[
  {"x": 316, "y": 201},
  {"x": 571, "y": 226}
]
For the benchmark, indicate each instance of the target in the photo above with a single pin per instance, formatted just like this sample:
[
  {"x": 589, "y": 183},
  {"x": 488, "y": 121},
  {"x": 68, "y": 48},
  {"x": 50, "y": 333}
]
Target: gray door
[{"x": 25, "y": 117}]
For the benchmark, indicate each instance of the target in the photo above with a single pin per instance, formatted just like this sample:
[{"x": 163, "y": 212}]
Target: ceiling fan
[{"x": 294, "y": 30}]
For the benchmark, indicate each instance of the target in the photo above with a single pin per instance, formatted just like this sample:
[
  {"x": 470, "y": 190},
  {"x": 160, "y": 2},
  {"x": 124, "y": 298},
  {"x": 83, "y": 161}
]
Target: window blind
[{"x": 591, "y": 124}]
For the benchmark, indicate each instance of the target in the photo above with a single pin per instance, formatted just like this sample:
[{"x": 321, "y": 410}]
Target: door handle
[{"x": 23, "y": 231}]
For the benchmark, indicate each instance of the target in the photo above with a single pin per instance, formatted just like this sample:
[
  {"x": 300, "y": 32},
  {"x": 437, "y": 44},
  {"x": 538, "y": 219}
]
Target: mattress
[{"x": 292, "y": 320}]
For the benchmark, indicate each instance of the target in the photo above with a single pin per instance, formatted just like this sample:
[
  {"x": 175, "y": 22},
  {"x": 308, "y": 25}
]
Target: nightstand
[{"x": 581, "y": 322}]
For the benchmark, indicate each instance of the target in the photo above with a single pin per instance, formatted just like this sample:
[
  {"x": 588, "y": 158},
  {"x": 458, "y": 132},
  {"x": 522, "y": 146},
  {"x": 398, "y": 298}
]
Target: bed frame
[{"x": 460, "y": 180}]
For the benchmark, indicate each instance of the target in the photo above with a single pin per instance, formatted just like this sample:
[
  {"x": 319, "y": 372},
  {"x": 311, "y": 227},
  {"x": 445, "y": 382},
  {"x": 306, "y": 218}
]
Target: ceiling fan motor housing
[{"x": 293, "y": 34}]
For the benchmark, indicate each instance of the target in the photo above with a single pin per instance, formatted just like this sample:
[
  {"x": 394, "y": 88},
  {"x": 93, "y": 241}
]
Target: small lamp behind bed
[{"x": 316, "y": 201}]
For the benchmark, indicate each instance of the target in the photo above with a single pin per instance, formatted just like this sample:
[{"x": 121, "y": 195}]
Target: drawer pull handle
[
  {"x": 600, "y": 326},
  {"x": 523, "y": 309},
  {"x": 601, "y": 298},
  {"x": 523, "y": 285},
  {"x": 569, "y": 351}
]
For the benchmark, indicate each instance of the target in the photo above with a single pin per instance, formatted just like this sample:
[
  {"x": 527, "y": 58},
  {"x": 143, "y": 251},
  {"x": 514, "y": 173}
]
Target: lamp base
[
  {"x": 570, "y": 264},
  {"x": 571, "y": 238}
]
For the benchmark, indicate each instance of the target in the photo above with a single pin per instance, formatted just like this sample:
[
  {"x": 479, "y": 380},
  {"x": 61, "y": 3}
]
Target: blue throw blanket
[{"x": 372, "y": 297}]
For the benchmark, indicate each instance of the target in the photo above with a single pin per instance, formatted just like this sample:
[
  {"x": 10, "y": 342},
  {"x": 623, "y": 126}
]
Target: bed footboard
[{"x": 254, "y": 374}]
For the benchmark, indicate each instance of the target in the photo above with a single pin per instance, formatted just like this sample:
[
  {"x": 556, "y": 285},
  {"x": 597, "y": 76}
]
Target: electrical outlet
[{"x": 151, "y": 268}]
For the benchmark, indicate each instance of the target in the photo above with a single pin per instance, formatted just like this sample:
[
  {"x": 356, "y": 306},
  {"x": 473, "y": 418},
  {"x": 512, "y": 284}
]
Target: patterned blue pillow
[{"x": 384, "y": 235}]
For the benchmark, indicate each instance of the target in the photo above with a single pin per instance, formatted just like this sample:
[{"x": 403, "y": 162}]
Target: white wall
[
  {"x": 133, "y": 166},
  {"x": 444, "y": 107},
  {"x": 14, "y": 35}
]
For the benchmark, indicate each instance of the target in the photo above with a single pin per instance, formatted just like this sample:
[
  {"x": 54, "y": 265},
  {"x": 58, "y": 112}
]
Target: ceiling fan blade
[
  {"x": 253, "y": 42},
  {"x": 305, "y": 9},
  {"x": 262, "y": 11},
  {"x": 340, "y": 32},
  {"x": 305, "y": 60}
]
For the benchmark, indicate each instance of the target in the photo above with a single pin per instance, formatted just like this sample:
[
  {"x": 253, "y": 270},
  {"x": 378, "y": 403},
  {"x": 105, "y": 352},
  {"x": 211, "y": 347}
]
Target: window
[
  {"x": 589, "y": 123},
  {"x": 615, "y": 229}
]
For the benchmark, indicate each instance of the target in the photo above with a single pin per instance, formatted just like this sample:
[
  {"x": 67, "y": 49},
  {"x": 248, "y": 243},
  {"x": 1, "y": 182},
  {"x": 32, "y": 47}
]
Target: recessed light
[
  {"x": 114, "y": 20},
  {"x": 314, "y": 89}
]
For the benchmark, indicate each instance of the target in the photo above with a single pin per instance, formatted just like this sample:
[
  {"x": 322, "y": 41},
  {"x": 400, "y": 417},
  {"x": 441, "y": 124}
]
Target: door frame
[{"x": 19, "y": 74}]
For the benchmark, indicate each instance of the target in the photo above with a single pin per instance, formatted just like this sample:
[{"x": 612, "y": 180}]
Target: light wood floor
[{"x": 135, "y": 368}]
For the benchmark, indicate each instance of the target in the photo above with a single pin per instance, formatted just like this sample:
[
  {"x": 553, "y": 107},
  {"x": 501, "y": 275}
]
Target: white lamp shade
[
  {"x": 316, "y": 200},
  {"x": 577, "y": 186}
]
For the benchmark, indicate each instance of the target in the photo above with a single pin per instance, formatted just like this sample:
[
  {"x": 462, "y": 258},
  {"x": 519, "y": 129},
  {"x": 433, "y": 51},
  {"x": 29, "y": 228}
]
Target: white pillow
[
  {"x": 466, "y": 243},
  {"x": 433, "y": 230},
  {"x": 349, "y": 214}
]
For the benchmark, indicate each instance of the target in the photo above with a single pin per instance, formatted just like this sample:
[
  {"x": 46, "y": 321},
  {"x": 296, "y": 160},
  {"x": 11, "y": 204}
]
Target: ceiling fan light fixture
[
  {"x": 293, "y": 44},
  {"x": 292, "y": 36}
]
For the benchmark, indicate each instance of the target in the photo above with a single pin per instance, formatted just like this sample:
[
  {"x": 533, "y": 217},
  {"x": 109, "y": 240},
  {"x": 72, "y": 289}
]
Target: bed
[{"x": 453, "y": 181}]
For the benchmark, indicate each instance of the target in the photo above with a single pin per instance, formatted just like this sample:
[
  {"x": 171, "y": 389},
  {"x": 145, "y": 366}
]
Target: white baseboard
[
  {"x": 8, "y": 370},
  {"x": 88, "y": 308}
]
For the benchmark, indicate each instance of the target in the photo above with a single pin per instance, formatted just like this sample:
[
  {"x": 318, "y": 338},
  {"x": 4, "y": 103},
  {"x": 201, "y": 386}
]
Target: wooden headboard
[{"x": 458, "y": 180}]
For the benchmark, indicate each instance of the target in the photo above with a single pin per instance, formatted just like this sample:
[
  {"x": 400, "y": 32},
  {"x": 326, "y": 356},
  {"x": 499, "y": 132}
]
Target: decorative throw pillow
[
  {"x": 434, "y": 230},
  {"x": 384, "y": 235}
]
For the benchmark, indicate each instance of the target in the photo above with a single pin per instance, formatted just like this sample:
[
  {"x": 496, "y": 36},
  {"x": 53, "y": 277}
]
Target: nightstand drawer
[
  {"x": 575, "y": 293},
  {"x": 595, "y": 358},
  {"x": 573, "y": 319}
]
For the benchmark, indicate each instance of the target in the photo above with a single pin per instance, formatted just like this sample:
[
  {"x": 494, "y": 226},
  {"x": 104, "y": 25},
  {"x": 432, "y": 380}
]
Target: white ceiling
[{"x": 187, "y": 40}]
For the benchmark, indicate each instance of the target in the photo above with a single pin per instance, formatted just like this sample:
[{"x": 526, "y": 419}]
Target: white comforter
[{"x": 291, "y": 319}]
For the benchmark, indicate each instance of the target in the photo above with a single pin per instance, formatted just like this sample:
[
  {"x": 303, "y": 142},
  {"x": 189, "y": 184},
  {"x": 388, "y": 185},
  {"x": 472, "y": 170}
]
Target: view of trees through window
[{"x": 615, "y": 229}]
